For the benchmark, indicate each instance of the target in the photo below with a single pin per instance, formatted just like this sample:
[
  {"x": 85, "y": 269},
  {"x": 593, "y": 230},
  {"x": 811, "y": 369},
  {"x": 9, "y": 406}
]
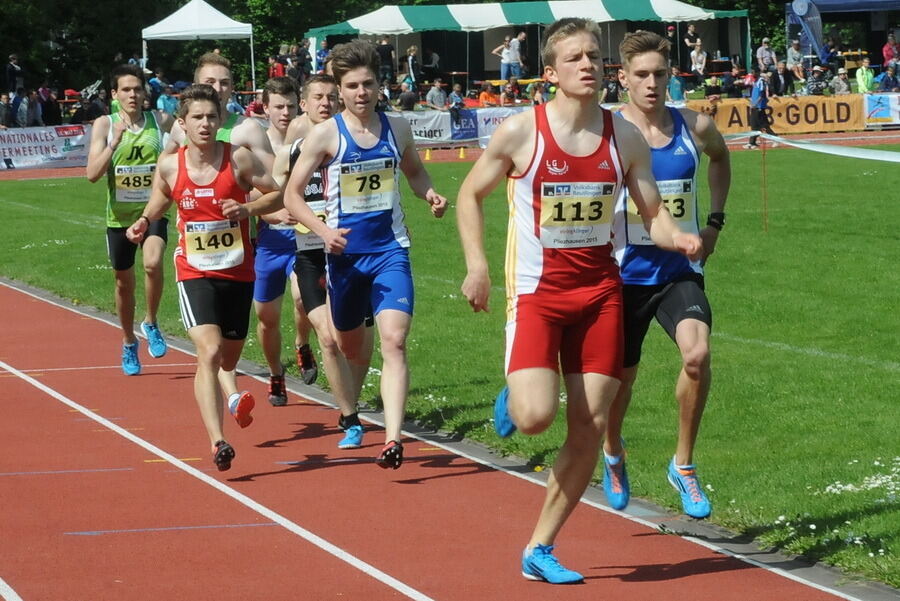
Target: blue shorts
[
  {"x": 357, "y": 282},
  {"x": 273, "y": 268}
]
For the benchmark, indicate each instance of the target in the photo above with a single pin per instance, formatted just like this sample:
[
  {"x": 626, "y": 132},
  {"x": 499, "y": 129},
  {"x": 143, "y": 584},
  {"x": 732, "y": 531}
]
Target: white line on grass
[
  {"x": 812, "y": 352},
  {"x": 279, "y": 519},
  {"x": 527, "y": 477},
  {"x": 7, "y": 593}
]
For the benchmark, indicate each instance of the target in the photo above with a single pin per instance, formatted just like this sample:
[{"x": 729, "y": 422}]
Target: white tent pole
[
  {"x": 252, "y": 62},
  {"x": 468, "y": 72},
  {"x": 144, "y": 53}
]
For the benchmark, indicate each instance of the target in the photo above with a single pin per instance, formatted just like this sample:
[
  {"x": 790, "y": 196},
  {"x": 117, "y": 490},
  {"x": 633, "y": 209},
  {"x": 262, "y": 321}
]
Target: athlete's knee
[
  {"x": 209, "y": 353},
  {"x": 585, "y": 431},
  {"x": 153, "y": 269},
  {"x": 533, "y": 420},
  {"x": 695, "y": 360},
  {"x": 393, "y": 341}
]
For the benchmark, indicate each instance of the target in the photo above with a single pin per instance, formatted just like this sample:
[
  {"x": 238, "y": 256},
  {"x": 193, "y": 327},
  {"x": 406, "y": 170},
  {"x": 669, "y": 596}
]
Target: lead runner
[
  {"x": 211, "y": 181},
  {"x": 566, "y": 162}
]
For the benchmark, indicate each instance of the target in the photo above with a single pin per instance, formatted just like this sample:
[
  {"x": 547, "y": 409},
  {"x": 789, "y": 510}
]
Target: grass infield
[{"x": 799, "y": 444}]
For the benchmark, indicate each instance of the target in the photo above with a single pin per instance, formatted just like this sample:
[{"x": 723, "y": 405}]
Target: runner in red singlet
[
  {"x": 566, "y": 162},
  {"x": 210, "y": 182}
]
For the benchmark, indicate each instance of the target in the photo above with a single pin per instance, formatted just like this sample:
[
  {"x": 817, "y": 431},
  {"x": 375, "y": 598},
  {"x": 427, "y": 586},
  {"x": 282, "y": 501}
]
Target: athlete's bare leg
[
  {"x": 617, "y": 410},
  {"x": 125, "y": 302},
  {"x": 393, "y": 328},
  {"x": 589, "y": 398},
  {"x": 302, "y": 323},
  {"x": 153, "y": 250},
  {"x": 692, "y": 388},
  {"x": 533, "y": 398},
  {"x": 337, "y": 369},
  {"x": 231, "y": 354},
  {"x": 268, "y": 330},
  {"x": 207, "y": 341}
]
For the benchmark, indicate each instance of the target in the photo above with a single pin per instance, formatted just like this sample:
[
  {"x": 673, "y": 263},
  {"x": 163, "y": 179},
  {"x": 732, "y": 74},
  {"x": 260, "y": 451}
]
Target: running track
[{"x": 108, "y": 492}]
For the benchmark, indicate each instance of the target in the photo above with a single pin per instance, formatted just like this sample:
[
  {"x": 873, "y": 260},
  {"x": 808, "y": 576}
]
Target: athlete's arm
[
  {"x": 318, "y": 148},
  {"x": 160, "y": 198},
  {"x": 176, "y": 138},
  {"x": 412, "y": 167},
  {"x": 718, "y": 177},
  {"x": 279, "y": 174},
  {"x": 495, "y": 163},
  {"x": 663, "y": 229},
  {"x": 165, "y": 120},
  {"x": 101, "y": 152},
  {"x": 297, "y": 128},
  {"x": 252, "y": 173},
  {"x": 251, "y": 135}
]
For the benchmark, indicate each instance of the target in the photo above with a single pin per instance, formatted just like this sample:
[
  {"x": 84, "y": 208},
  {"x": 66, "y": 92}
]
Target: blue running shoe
[
  {"x": 155, "y": 341},
  {"x": 540, "y": 564},
  {"x": 684, "y": 480},
  {"x": 131, "y": 365},
  {"x": 352, "y": 439},
  {"x": 615, "y": 483},
  {"x": 503, "y": 423}
]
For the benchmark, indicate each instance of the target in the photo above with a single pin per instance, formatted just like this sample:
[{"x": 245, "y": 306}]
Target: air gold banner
[{"x": 804, "y": 114}]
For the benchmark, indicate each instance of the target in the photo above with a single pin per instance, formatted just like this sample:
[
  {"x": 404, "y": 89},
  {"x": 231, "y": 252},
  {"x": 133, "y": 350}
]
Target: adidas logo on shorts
[
  {"x": 403, "y": 300},
  {"x": 694, "y": 309}
]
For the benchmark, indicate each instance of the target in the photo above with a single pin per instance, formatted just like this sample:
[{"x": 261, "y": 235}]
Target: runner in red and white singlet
[
  {"x": 210, "y": 182},
  {"x": 565, "y": 162}
]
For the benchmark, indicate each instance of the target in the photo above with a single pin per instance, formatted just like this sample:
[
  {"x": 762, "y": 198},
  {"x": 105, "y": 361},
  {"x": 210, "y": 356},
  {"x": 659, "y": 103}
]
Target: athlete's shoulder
[
  {"x": 515, "y": 130},
  {"x": 702, "y": 127}
]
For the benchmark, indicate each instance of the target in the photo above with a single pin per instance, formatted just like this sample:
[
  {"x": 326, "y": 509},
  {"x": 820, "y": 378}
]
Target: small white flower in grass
[
  {"x": 781, "y": 518},
  {"x": 710, "y": 488},
  {"x": 871, "y": 554},
  {"x": 881, "y": 551},
  {"x": 812, "y": 526}
]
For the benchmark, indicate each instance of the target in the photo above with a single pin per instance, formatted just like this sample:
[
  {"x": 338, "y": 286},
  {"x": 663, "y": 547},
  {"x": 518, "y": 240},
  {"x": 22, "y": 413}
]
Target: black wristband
[
  {"x": 144, "y": 217},
  {"x": 716, "y": 220}
]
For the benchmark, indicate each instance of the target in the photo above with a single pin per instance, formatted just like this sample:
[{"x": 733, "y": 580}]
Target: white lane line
[
  {"x": 39, "y": 370},
  {"x": 812, "y": 352},
  {"x": 279, "y": 519},
  {"x": 527, "y": 477},
  {"x": 7, "y": 593}
]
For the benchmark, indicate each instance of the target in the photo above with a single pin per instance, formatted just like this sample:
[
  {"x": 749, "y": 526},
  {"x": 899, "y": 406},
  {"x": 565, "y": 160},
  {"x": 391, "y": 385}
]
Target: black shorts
[
  {"x": 121, "y": 251},
  {"x": 309, "y": 267},
  {"x": 212, "y": 301},
  {"x": 670, "y": 303}
]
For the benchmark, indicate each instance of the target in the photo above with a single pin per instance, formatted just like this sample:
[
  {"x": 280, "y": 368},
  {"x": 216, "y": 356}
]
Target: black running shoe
[
  {"x": 391, "y": 455},
  {"x": 306, "y": 361},
  {"x": 277, "y": 393},
  {"x": 224, "y": 455}
]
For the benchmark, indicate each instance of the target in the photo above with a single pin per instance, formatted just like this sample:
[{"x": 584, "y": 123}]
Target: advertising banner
[
  {"x": 44, "y": 147},
  {"x": 489, "y": 120},
  {"x": 803, "y": 114},
  {"x": 882, "y": 109}
]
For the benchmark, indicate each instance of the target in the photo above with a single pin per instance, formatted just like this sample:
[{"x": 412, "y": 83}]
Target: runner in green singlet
[{"x": 125, "y": 147}]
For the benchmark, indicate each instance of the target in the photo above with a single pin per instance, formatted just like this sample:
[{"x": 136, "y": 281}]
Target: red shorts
[{"x": 580, "y": 330}]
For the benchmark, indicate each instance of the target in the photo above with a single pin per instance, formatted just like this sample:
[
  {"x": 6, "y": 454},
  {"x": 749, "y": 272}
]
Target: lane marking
[
  {"x": 81, "y": 471},
  {"x": 168, "y": 529},
  {"x": 528, "y": 477},
  {"x": 164, "y": 461},
  {"x": 812, "y": 352},
  {"x": 41, "y": 371},
  {"x": 259, "y": 508},
  {"x": 7, "y": 592}
]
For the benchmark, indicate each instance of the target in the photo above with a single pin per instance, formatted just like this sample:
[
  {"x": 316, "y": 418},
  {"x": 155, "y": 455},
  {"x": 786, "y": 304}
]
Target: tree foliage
[{"x": 73, "y": 43}]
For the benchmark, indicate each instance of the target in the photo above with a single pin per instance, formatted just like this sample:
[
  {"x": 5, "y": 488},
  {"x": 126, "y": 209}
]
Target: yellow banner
[{"x": 804, "y": 114}]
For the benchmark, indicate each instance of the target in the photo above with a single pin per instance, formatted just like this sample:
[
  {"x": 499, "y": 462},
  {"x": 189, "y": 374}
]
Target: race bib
[
  {"x": 306, "y": 240},
  {"x": 367, "y": 186},
  {"x": 213, "y": 245},
  {"x": 678, "y": 196},
  {"x": 133, "y": 182},
  {"x": 577, "y": 214}
]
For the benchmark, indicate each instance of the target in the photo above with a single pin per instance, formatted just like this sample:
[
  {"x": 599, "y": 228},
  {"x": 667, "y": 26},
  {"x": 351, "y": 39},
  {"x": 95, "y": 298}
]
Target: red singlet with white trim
[
  {"x": 561, "y": 212},
  {"x": 209, "y": 244}
]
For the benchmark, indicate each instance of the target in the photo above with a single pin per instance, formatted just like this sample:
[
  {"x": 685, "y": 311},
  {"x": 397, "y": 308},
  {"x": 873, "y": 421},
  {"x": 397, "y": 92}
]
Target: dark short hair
[
  {"x": 318, "y": 78},
  {"x": 352, "y": 55},
  {"x": 197, "y": 92},
  {"x": 122, "y": 71},
  {"x": 283, "y": 86}
]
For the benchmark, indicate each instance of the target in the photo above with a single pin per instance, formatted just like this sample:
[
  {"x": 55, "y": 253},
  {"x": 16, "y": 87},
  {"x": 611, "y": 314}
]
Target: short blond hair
[
  {"x": 211, "y": 58},
  {"x": 641, "y": 42},
  {"x": 562, "y": 29}
]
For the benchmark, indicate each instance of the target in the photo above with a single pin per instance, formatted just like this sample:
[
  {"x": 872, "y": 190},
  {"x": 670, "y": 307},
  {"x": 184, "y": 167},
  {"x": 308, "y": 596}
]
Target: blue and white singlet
[
  {"x": 362, "y": 192},
  {"x": 675, "y": 169}
]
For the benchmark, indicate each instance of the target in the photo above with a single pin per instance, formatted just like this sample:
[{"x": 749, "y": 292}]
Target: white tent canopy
[{"x": 197, "y": 20}]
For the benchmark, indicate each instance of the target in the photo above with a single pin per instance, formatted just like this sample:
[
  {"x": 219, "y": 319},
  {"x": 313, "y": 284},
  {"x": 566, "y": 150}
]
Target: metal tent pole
[{"x": 252, "y": 61}]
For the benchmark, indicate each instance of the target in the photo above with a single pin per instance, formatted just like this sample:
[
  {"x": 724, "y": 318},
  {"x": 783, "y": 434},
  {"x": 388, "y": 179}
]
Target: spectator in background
[
  {"x": 166, "y": 102},
  {"x": 256, "y": 108},
  {"x": 670, "y": 37},
  {"x": 828, "y": 55},
  {"x": 698, "y": 64},
  {"x": 432, "y": 66},
  {"x": 15, "y": 74},
  {"x": 516, "y": 57},
  {"x": 98, "y": 106},
  {"x": 50, "y": 111},
  {"x": 795, "y": 61},
  {"x": 33, "y": 115},
  {"x": 233, "y": 106},
  {"x": 388, "y": 58},
  {"x": 276, "y": 69},
  {"x": 732, "y": 83},
  {"x": 538, "y": 92},
  {"x": 457, "y": 102},
  {"x": 890, "y": 51},
  {"x": 782, "y": 81},
  {"x": 609, "y": 94},
  {"x": 765, "y": 57},
  {"x": 413, "y": 72},
  {"x": 19, "y": 106},
  {"x": 514, "y": 85},
  {"x": 157, "y": 83},
  {"x": 503, "y": 52},
  {"x": 689, "y": 43},
  {"x": 675, "y": 89},
  {"x": 407, "y": 99},
  {"x": 865, "y": 77},
  {"x": 759, "y": 102},
  {"x": 509, "y": 96},
  {"x": 816, "y": 85},
  {"x": 713, "y": 91},
  {"x": 5, "y": 110},
  {"x": 840, "y": 84},
  {"x": 749, "y": 81},
  {"x": 487, "y": 96},
  {"x": 306, "y": 61},
  {"x": 889, "y": 81},
  {"x": 436, "y": 97},
  {"x": 322, "y": 54}
]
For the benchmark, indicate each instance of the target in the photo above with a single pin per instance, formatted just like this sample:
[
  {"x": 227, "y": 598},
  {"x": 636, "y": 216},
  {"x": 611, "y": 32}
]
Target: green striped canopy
[{"x": 397, "y": 20}]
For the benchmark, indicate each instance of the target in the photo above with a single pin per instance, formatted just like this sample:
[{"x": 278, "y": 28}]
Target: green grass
[{"x": 799, "y": 445}]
